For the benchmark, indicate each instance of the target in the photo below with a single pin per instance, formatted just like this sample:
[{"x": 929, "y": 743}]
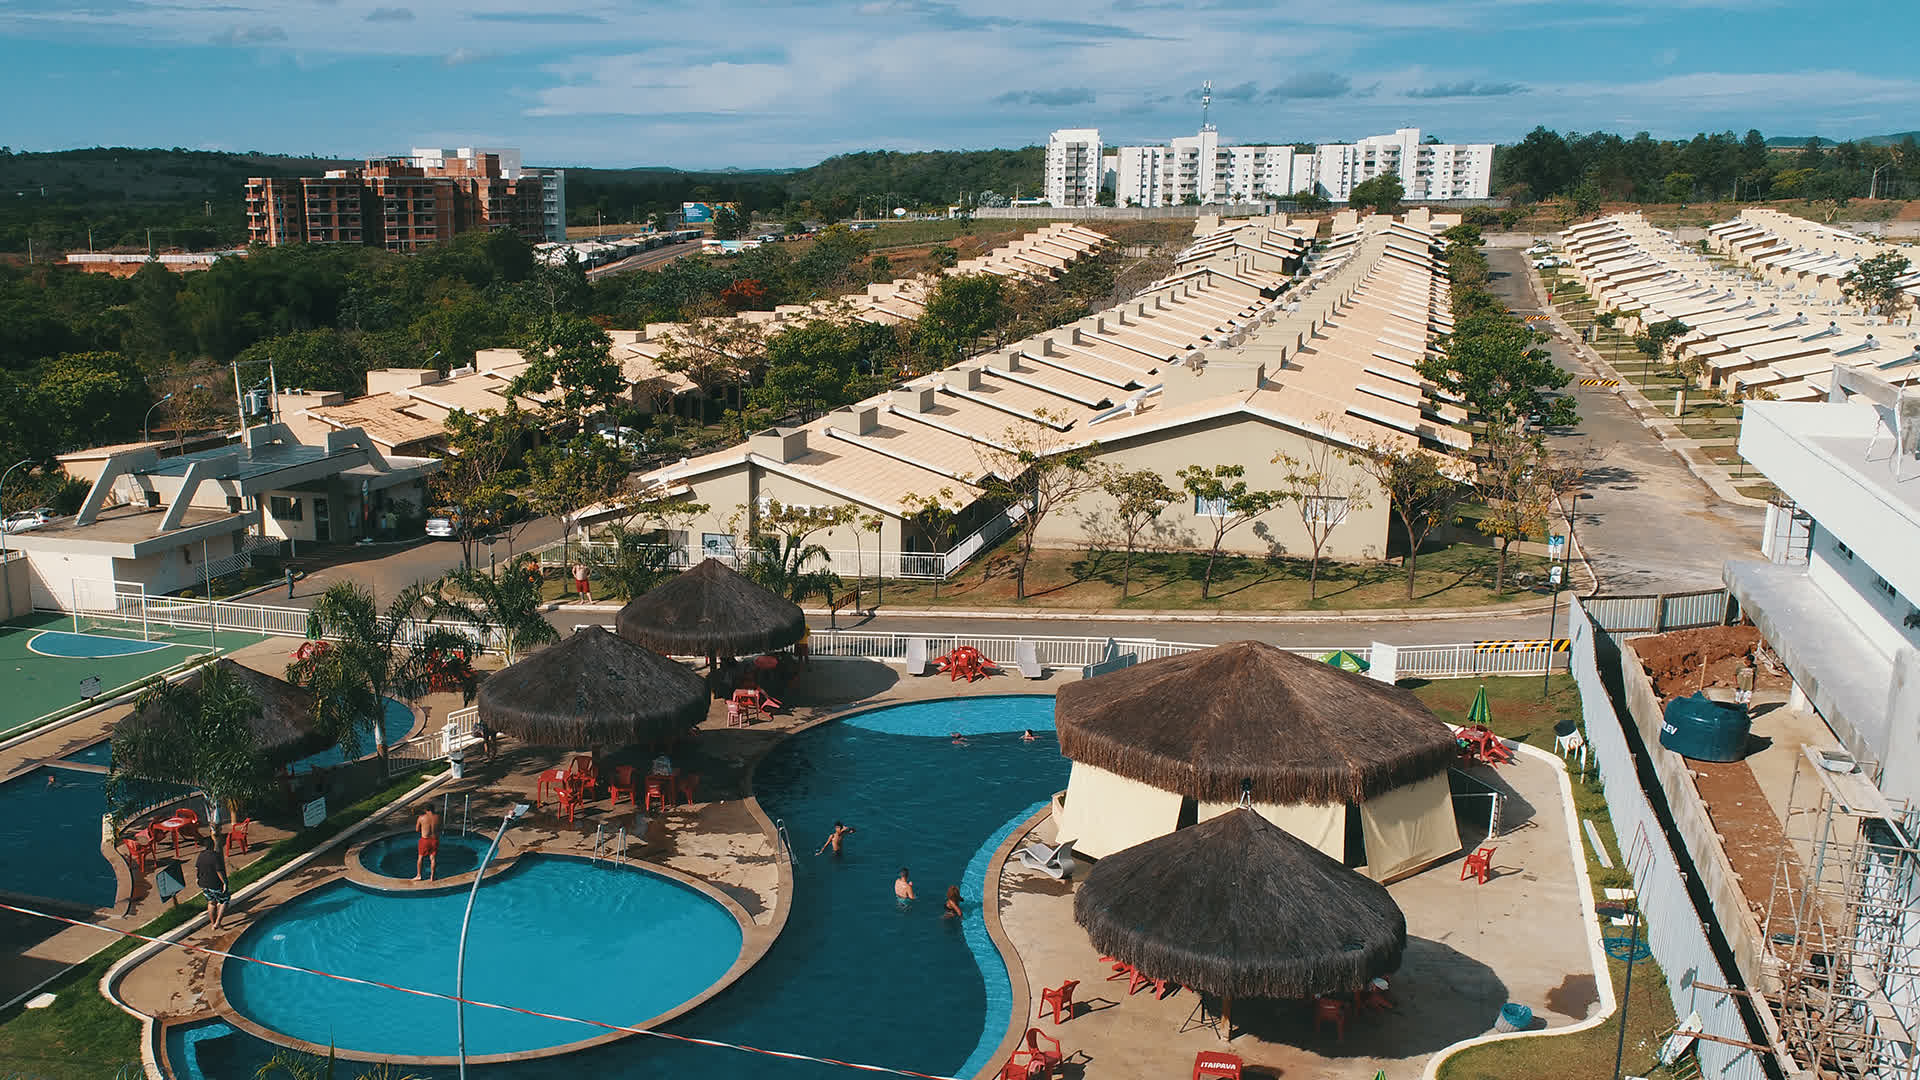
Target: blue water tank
[{"x": 1705, "y": 730}]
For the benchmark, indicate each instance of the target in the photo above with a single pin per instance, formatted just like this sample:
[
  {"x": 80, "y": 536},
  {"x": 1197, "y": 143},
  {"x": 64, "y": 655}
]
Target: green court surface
[{"x": 43, "y": 662}]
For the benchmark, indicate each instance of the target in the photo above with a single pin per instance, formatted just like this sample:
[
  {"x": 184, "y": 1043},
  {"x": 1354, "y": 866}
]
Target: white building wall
[
  {"x": 1073, "y": 167},
  {"x": 1138, "y": 175}
]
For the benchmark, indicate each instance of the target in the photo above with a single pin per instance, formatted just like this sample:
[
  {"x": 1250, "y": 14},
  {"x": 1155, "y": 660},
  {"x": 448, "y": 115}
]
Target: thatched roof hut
[
  {"x": 593, "y": 689},
  {"x": 1241, "y": 908},
  {"x": 282, "y": 730},
  {"x": 710, "y": 610},
  {"x": 1304, "y": 739}
]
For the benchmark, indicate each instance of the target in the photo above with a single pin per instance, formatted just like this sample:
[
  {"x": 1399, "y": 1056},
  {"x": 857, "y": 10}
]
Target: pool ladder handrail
[
  {"x": 786, "y": 841},
  {"x": 617, "y": 851}
]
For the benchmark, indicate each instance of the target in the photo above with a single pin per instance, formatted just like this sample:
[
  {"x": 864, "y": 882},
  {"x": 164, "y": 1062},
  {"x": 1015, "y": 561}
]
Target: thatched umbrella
[
  {"x": 1241, "y": 908},
  {"x": 711, "y": 611},
  {"x": 593, "y": 689},
  {"x": 282, "y": 729},
  {"x": 1301, "y": 730}
]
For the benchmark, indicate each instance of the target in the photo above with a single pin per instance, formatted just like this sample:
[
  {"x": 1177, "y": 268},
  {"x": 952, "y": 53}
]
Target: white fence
[
  {"x": 135, "y": 611},
  {"x": 1674, "y": 930}
]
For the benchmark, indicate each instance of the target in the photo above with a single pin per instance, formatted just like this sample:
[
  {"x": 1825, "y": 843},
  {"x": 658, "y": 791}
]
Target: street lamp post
[
  {"x": 1569, "y": 506},
  {"x": 460, "y": 965},
  {"x": 144, "y": 426}
]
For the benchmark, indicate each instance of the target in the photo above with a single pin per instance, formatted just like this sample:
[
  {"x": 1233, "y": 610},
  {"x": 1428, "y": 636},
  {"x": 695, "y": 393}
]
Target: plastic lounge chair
[
  {"x": 917, "y": 656},
  {"x": 1055, "y": 862},
  {"x": 1026, "y": 657}
]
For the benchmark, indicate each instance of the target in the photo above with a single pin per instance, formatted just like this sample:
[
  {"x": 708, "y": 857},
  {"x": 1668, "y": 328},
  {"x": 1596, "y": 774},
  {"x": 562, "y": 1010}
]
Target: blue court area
[{"x": 89, "y": 646}]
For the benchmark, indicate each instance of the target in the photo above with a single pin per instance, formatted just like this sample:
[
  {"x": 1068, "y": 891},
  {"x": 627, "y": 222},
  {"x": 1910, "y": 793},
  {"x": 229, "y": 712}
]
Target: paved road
[
  {"x": 646, "y": 260},
  {"x": 388, "y": 568},
  {"x": 1651, "y": 525}
]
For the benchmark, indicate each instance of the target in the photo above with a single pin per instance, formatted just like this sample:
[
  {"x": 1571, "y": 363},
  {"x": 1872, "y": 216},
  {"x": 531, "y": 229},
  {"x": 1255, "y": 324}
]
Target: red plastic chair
[
  {"x": 684, "y": 787},
  {"x": 657, "y": 789},
  {"x": 571, "y": 797},
  {"x": 1060, "y": 998},
  {"x": 136, "y": 856},
  {"x": 1372, "y": 998},
  {"x": 1333, "y": 1011},
  {"x": 1479, "y": 866},
  {"x": 582, "y": 771},
  {"x": 1040, "y": 1060},
  {"x": 1214, "y": 1065},
  {"x": 237, "y": 836},
  {"x": 622, "y": 782}
]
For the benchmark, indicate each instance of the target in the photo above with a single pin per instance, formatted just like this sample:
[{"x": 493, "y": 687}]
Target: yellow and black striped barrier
[
  {"x": 1517, "y": 645},
  {"x": 1609, "y": 383}
]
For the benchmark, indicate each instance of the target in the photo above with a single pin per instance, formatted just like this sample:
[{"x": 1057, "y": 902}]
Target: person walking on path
[
  {"x": 211, "y": 871},
  {"x": 289, "y": 582},
  {"x": 428, "y": 828}
]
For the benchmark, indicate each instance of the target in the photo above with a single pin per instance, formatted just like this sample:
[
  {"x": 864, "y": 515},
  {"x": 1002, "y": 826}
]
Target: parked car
[
  {"x": 622, "y": 436},
  {"x": 1540, "y": 249},
  {"x": 440, "y": 526},
  {"x": 28, "y": 520},
  {"x": 1545, "y": 264}
]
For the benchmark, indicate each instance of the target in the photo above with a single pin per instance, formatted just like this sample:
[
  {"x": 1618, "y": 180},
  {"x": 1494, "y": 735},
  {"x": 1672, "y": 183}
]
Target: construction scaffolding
[{"x": 1841, "y": 974}]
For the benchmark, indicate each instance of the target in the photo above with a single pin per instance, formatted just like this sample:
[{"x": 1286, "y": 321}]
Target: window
[
  {"x": 285, "y": 508},
  {"x": 1205, "y": 507},
  {"x": 1326, "y": 509},
  {"x": 1843, "y": 550},
  {"x": 716, "y": 545},
  {"x": 1884, "y": 586}
]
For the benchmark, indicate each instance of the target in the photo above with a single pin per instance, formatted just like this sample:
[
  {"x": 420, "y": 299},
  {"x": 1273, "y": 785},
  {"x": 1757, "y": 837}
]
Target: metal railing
[{"x": 1656, "y": 613}]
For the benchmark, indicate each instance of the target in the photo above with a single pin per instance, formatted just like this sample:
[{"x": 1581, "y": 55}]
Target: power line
[{"x": 689, "y": 1039}]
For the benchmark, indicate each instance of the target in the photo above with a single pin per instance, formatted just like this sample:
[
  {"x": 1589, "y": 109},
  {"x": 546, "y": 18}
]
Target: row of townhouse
[
  {"x": 1752, "y": 338},
  {"x": 1803, "y": 256},
  {"x": 1256, "y": 345}
]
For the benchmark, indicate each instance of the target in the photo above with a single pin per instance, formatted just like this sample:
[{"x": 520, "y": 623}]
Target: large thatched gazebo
[
  {"x": 1355, "y": 767},
  {"x": 710, "y": 610},
  {"x": 593, "y": 689},
  {"x": 1241, "y": 908},
  {"x": 282, "y": 729}
]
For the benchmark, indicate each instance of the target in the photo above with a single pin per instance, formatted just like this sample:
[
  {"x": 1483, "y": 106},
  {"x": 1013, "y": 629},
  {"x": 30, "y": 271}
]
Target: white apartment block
[
  {"x": 554, "y": 208},
  {"x": 1198, "y": 166},
  {"x": 1074, "y": 167}
]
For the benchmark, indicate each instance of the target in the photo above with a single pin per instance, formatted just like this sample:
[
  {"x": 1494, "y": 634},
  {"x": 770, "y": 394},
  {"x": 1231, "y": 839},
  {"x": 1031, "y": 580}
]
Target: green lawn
[
  {"x": 38, "y": 685},
  {"x": 1522, "y": 713},
  {"x": 1460, "y": 576}
]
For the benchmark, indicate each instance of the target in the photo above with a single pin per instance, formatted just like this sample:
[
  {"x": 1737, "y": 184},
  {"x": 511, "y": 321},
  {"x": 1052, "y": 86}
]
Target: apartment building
[
  {"x": 1198, "y": 167},
  {"x": 1074, "y": 168},
  {"x": 406, "y": 203},
  {"x": 553, "y": 182}
]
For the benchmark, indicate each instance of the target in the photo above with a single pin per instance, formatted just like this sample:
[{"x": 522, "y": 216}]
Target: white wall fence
[
  {"x": 1673, "y": 928},
  {"x": 175, "y": 615}
]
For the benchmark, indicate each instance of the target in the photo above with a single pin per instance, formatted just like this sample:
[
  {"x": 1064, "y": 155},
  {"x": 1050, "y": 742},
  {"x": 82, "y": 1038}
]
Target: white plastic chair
[
  {"x": 917, "y": 656},
  {"x": 1026, "y": 657}
]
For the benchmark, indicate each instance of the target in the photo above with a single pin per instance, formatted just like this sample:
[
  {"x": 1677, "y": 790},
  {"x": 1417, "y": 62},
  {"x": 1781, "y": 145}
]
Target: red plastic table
[
  {"x": 172, "y": 827},
  {"x": 550, "y": 778}
]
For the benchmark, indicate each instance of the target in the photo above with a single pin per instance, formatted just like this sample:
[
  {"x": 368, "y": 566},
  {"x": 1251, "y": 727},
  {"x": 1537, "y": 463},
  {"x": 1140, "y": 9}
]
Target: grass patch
[
  {"x": 1523, "y": 713},
  {"x": 1459, "y": 576},
  {"x": 83, "y": 1036}
]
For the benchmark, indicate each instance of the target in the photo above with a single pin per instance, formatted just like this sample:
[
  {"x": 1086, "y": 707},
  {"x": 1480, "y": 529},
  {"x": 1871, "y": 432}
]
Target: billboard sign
[{"x": 696, "y": 213}]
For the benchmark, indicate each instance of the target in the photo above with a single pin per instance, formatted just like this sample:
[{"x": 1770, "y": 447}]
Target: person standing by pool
[
  {"x": 903, "y": 887},
  {"x": 583, "y": 582},
  {"x": 428, "y": 828},
  {"x": 835, "y": 838},
  {"x": 210, "y": 869},
  {"x": 953, "y": 903}
]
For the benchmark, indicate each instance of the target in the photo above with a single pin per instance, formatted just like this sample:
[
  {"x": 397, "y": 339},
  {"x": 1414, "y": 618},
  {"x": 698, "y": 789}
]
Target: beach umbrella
[
  {"x": 1346, "y": 661},
  {"x": 593, "y": 689},
  {"x": 710, "y": 610},
  {"x": 1239, "y": 907},
  {"x": 1479, "y": 712}
]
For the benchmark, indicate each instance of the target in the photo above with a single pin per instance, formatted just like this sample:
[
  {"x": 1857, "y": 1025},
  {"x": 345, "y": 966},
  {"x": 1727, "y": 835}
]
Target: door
[{"x": 321, "y": 529}]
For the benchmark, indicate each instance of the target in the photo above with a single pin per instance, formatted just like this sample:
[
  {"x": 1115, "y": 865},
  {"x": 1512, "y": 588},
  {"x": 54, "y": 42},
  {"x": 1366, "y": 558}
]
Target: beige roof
[{"x": 384, "y": 418}]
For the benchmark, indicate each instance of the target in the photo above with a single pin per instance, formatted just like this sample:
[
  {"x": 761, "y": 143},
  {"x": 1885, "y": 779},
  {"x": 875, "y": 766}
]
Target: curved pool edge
[
  {"x": 360, "y": 874},
  {"x": 1010, "y": 956},
  {"x": 751, "y": 952}
]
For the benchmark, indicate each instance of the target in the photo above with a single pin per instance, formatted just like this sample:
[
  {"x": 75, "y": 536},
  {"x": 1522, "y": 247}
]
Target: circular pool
[
  {"x": 395, "y": 856},
  {"x": 554, "y": 934}
]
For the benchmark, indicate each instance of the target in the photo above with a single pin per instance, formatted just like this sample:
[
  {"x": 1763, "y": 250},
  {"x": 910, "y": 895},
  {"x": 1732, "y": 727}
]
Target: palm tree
[
  {"x": 779, "y": 566},
  {"x": 371, "y": 654},
  {"x": 200, "y": 734},
  {"x": 298, "y": 1065},
  {"x": 506, "y": 606}
]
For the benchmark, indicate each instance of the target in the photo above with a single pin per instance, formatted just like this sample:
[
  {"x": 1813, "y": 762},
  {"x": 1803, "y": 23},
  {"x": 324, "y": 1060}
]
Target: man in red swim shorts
[{"x": 428, "y": 826}]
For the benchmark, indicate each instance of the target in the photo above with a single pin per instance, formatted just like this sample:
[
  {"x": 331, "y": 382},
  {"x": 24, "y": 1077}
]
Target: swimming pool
[
  {"x": 396, "y": 723},
  {"x": 394, "y": 856},
  {"x": 546, "y": 935},
  {"x": 100, "y": 753},
  {"x": 852, "y": 975},
  {"x": 50, "y": 836}
]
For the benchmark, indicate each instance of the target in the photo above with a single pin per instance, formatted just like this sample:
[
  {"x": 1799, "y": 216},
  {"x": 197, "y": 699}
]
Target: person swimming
[
  {"x": 903, "y": 887},
  {"x": 1028, "y": 736},
  {"x": 836, "y": 838},
  {"x": 953, "y": 903},
  {"x": 958, "y": 739}
]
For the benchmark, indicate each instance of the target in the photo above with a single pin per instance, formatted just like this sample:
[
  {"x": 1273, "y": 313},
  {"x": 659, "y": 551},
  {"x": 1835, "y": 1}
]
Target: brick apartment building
[{"x": 401, "y": 204}]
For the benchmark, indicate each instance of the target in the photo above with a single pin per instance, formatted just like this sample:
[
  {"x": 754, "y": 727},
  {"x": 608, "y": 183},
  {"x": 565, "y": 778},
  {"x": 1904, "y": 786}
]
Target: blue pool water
[
  {"x": 88, "y": 646},
  {"x": 555, "y": 934},
  {"x": 50, "y": 836},
  {"x": 853, "y": 975},
  {"x": 396, "y": 723},
  {"x": 394, "y": 856},
  {"x": 100, "y": 753}
]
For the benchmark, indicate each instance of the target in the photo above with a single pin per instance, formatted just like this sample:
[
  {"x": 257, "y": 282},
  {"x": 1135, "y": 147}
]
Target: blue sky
[{"x": 710, "y": 83}]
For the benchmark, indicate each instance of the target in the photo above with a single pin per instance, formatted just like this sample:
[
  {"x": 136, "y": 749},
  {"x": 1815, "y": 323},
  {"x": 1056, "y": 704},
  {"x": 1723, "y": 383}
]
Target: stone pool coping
[
  {"x": 1022, "y": 1005},
  {"x": 358, "y": 873},
  {"x": 750, "y": 953}
]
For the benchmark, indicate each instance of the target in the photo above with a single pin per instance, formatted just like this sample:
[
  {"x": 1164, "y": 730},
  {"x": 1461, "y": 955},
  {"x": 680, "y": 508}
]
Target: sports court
[{"x": 43, "y": 660}]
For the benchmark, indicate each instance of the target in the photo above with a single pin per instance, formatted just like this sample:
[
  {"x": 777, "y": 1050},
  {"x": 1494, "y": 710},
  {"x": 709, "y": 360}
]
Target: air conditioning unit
[{"x": 257, "y": 402}]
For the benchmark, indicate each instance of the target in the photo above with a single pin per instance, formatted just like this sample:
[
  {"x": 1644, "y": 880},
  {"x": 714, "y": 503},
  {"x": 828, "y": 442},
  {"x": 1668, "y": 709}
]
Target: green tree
[
  {"x": 1224, "y": 502},
  {"x": 944, "y": 255},
  {"x": 1493, "y": 362},
  {"x": 935, "y": 515},
  {"x": 372, "y": 653},
  {"x": 503, "y": 607},
  {"x": 569, "y": 353},
  {"x": 1309, "y": 199},
  {"x": 313, "y": 359},
  {"x": 1679, "y": 186},
  {"x": 1326, "y": 485},
  {"x": 645, "y": 547},
  {"x": 1381, "y": 194},
  {"x": 728, "y": 224},
  {"x": 154, "y": 333},
  {"x": 1510, "y": 481},
  {"x": 87, "y": 399},
  {"x": 960, "y": 310},
  {"x": 1874, "y": 284},
  {"x": 822, "y": 364},
  {"x": 1139, "y": 496},
  {"x": 566, "y": 477},
  {"x": 716, "y": 353},
  {"x": 1421, "y": 487},
  {"x": 483, "y": 472},
  {"x": 1586, "y": 198},
  {"x": 201, "y": 735},
  {"x": 1034, "y": 467}
]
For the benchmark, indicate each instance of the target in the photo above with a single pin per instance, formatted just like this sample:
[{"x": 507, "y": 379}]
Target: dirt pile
[{"x": 1687, "y": 660}]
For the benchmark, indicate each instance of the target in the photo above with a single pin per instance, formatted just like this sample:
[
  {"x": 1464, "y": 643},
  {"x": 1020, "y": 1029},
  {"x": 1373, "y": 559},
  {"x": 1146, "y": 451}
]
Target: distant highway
[{"x": 646, "y": 260}]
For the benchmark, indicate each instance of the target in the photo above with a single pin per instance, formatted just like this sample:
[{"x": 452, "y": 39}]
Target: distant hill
[{"x": 1795, "y": 142}]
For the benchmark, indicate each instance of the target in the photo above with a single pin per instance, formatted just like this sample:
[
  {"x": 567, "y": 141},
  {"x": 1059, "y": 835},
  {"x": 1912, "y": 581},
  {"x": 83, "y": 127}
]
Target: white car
[
  {"x": 1546, "y": 264},
  {"x": 622, "y": 436},
  {"x": 1540, "y": 249},
  {"x": 28, "y": 520}
]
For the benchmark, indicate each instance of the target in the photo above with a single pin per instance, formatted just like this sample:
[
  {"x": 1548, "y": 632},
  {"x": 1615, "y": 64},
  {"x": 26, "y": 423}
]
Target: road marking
[{"x": 1600, "y": 382}]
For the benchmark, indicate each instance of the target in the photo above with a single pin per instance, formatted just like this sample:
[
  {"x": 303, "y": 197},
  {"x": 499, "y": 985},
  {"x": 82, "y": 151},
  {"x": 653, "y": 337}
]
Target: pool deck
[{"x": 1471, "y": 948}]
